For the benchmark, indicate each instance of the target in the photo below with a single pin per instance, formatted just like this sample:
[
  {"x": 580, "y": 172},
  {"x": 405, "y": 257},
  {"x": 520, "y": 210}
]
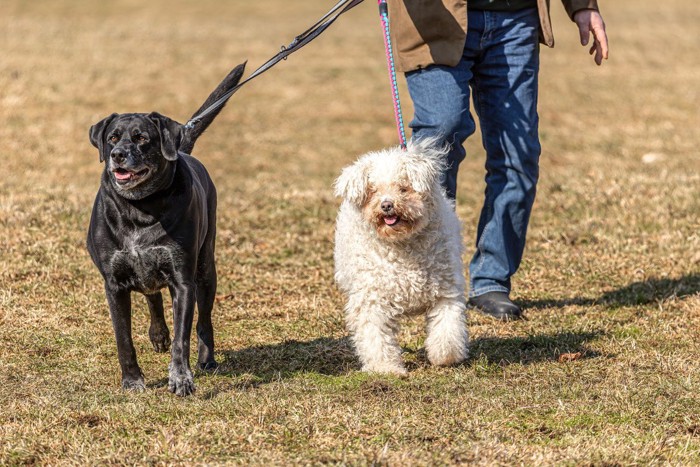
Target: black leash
[{"x": 299, "y": 41}]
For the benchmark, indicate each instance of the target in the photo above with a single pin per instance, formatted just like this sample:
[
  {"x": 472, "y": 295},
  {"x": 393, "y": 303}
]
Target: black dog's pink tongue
[
  {"x": 122, "y": 174},
  {"x": 391, "y": 220}
]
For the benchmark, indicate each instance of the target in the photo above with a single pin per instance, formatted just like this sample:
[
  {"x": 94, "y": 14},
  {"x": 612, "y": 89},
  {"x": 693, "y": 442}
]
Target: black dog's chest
[
  {"x": 142, "y": 267},
  {"x": 147, "y": 244}
]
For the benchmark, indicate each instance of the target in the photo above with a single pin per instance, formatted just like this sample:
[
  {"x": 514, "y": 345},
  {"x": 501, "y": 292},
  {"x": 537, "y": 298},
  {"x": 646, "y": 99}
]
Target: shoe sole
[{"x": 499, "y": 316}]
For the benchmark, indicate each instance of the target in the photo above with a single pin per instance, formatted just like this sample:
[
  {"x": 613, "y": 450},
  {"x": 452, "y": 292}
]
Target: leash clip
[
  {"x": 190, "y": 125},
  {"x": 289, "y": 47}
]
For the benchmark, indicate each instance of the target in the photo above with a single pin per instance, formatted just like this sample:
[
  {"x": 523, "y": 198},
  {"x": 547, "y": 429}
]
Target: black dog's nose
[
  {"x": 118, "y": 155},
  {"x": 387, "y": 206}
]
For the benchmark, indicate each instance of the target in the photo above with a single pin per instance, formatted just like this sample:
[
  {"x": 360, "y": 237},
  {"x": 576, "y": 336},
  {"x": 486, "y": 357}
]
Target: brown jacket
[{"x": 427, "y": 32}]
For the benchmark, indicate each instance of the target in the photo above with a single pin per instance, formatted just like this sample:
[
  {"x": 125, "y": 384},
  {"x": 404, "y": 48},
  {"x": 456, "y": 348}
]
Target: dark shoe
[{"x": 497, "y": 305}]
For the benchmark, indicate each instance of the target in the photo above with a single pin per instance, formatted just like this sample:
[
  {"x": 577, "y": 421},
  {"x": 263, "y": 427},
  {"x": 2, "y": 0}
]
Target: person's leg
[
  {"x": 440, "y": 97},
  {"x": 505, "y": 99}
]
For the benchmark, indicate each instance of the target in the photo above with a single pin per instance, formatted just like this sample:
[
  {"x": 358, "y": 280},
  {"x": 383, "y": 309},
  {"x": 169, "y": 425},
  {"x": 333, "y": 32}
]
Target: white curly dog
[{"x": 398, "y": 252}]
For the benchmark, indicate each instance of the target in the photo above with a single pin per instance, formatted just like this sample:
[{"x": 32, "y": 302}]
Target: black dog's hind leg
[
  {"x": 180, "y": 379},
  {"x": 120, "y": 312},
  {"x": 158, "y": 331},
  {"x": 206, "y": 293}
]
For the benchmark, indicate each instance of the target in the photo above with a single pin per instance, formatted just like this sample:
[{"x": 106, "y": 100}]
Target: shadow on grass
[
  {"x": 263, "y": 364},
  {"x": 258, "y": 365},
  {"x": 637, "y": 293},
  {"x": 563, "y": 346},
  {"x": 266, "y": 363}
]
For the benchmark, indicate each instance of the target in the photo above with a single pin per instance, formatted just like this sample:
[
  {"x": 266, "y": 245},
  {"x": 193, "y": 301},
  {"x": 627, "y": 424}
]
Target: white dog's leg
[
  {"x": 448, "y": 340},
  {"x": 374, "y": 334}
]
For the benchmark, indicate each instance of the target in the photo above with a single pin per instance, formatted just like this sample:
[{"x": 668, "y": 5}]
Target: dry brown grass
[{"x": 612, "y": 271}]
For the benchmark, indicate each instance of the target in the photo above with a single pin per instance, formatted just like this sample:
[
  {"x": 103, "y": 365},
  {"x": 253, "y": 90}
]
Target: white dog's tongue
[{"x": 391, "y": 220}]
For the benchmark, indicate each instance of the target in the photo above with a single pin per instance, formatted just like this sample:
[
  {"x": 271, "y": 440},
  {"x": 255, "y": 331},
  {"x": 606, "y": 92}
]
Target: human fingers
[
  {"x": 599, "y": 35},
  {"x": 601, "y": 38},
  {"x": 584, "y": 32},
  {"x": 598, "y": 54},
  {"x": 597, "y": 49}
]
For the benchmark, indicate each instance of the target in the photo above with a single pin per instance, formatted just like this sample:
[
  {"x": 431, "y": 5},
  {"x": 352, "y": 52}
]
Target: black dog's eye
[
  {"x": 113, "y": 139},
  {"x": 140, "y": 138}
]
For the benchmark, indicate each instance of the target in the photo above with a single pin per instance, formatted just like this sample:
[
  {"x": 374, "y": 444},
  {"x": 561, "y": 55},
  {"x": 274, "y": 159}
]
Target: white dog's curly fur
[{"x": 398, "y": 251}]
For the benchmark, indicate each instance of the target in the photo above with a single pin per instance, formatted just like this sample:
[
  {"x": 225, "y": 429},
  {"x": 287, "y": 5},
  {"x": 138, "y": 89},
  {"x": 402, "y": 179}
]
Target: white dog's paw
[
  {"x": 448, "y": 338},
  {"x": 385, "y": 367},
  {"x": 446, "y": 350},
  {"x": 447, "y": 356}
]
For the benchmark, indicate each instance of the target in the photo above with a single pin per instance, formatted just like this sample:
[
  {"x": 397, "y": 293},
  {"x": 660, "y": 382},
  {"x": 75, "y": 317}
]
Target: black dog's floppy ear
[
  {"x": 170, "y": 134},
  {"x": 97, "y": 135}
]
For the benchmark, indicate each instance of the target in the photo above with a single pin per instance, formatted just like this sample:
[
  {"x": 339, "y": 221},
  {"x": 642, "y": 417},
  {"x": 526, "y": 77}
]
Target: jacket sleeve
[{"x": 572, "y": 6}]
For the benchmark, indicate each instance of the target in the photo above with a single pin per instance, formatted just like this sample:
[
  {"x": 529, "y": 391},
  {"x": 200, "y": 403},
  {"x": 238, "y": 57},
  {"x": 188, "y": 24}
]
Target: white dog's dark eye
[{"x": 403, "y": 189}]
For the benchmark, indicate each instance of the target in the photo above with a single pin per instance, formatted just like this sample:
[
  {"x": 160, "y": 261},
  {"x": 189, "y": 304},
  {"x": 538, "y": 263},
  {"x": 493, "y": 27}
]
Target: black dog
[{"x": 153, "y": 225}]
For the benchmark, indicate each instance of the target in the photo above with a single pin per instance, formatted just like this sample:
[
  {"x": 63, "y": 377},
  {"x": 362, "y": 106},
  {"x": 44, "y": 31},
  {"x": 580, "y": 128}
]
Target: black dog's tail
[{"x": 190, "y": 135}]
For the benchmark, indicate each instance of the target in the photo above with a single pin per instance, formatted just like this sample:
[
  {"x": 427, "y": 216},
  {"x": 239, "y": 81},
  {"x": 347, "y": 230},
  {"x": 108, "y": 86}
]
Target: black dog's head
[{"x": 140, "y": 151}]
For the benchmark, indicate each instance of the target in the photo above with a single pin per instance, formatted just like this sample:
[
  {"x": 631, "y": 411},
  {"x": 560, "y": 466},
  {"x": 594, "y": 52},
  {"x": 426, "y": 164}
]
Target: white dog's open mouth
[
  {"x": 391, "y": 220},
  {"x": 126, "y": 176}
]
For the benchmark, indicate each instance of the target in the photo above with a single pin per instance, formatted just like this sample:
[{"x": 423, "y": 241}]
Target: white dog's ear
[
  {"x": 353, "y": 181},
  {"x": 423, "y": 165}
]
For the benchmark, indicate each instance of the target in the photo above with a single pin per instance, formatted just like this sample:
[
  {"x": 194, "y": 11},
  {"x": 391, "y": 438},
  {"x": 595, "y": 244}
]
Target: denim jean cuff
[{"x": 492, "y": 288}]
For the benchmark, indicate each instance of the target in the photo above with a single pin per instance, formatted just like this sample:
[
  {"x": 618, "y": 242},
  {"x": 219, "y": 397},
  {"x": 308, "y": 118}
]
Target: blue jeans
[{"x": 500, "y": 64}]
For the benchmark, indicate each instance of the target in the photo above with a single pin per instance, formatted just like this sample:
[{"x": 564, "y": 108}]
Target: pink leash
[{"x": 384, "y": 15}]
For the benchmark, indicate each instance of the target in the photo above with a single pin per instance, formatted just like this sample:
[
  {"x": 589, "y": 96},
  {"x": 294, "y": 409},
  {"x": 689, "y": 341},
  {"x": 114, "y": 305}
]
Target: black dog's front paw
[
  {"x": 181, "y": 383},
  {"x": 134, "y": 384},
  {"x": 160, "y": 338},
  {"x": 208, "y": 366}
]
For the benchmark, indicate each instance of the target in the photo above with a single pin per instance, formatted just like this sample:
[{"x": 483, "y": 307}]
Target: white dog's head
[{"x": 395, "y": 189}]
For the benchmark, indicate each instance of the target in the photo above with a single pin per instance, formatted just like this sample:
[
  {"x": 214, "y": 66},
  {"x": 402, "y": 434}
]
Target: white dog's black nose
[{"x": 387, "y": 206}]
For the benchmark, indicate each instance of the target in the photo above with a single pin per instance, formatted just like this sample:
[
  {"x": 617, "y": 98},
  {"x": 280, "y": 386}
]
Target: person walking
[{"x": 447, "y": 48}]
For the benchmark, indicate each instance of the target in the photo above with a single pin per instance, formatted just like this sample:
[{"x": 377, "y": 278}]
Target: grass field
[{"x": 611, "y": 272}]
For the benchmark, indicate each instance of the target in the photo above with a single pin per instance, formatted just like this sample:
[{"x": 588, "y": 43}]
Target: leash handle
[{"x": 398, "y": 115}]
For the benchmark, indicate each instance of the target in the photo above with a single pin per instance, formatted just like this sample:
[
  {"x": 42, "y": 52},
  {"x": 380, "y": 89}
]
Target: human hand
[{"x": 590, "y": 21}]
